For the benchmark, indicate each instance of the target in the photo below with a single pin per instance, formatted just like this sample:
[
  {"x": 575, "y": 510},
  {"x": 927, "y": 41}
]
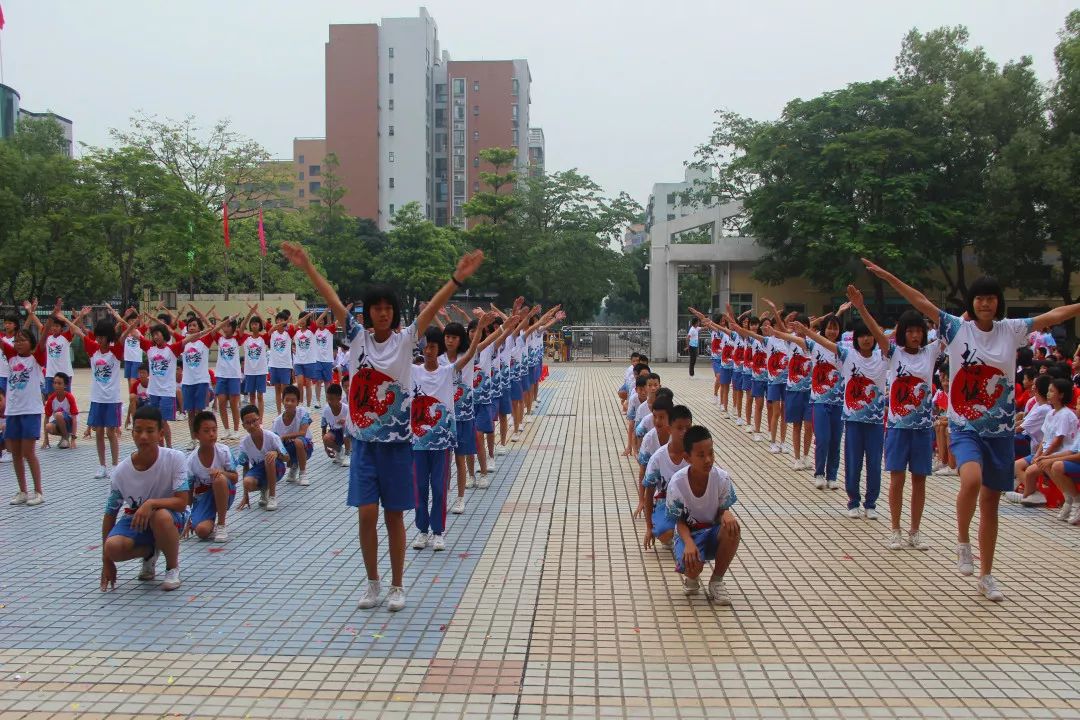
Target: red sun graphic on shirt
[
  {"x": 906, "y": 393},
  {"x": 364, "y": 403},
  {"x": 728, "y": 354},
  {"x": 976, "y": 386},
  {"x": 798, "y": 367},
  {"x": 859, "y": 391},
  {"x": 714, "y": 347},
  {"x": 824, "y": 377},
  {"x": 458, "y": 392},
  {"x": 759, "y": 362},
  {"x": 737, "y": 355},
  {"x": 777, "y": 363},
  {"x": 424, "y": 414}
]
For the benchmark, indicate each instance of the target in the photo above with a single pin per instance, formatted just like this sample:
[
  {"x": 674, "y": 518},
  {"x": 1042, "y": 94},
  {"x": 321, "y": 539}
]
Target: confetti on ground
[
  {"x": 463, "y": 555},
  {"x": 216, "y": 550},
  {"x": 170, "y": 680},
  {"x": 847, "y": 557},
  {"x": 335, "y": 552}
]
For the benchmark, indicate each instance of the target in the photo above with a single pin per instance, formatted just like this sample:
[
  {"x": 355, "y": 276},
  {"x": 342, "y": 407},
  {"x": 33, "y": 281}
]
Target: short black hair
[
  {"x": 911, "y": 319},
  {"x": 663, "y": 404},
  {"x": 642, "y": 359},
  {"x": 665, "y": 392},
  {"x": 1029, "y": 372},
  {"x": 290, "y": 390},
  {"x": 641, "y": 367},
  {"x": 680, "y": 412},
  {"x": 434, "y": 335},
  {"x": 204, "y": 416},
  {"x": 457, "y": 330},
  {"x": 247, "y": 410},
  {"x": 377, "y": 294},
  {"x": 1064, "y": 386},
  {"x": 858, "y": 329},
  {"x": 635, "y": 354},
  {"x": 984, "y": 285},
  {"x": 641, "y": 381},
  {"x": 64, "y": 377},
  {"x": 163, "y": 329},
  {"x": 832, "y": 319},
  {"x": 694, "y": 435},
  {"x": 105, "y": 332},
  {"x": 334, "y": 389},
  {"x": 197, "y": 321},
  {"x": 282, "y": 315},
  {"x": 653, "y": 376},
  {"x": 694, "y": 321},
  {"x": 1042, "y": 384},
  {"x": 149, "y": 412}
]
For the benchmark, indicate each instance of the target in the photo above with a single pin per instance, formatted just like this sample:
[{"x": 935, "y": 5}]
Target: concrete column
[{"x": 658, "y": 299}]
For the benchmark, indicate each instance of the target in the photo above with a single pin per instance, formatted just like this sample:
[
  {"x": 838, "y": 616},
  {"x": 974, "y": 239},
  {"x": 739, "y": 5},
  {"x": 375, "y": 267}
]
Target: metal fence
[{"x": 605, "y": 342}]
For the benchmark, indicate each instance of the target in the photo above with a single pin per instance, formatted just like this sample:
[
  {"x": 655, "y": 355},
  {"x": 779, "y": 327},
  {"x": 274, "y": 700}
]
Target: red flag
[
  {"x": 225, "y": 210},
  {"x": 1, "y": 18},
  {"x": 262, "y": 235}
]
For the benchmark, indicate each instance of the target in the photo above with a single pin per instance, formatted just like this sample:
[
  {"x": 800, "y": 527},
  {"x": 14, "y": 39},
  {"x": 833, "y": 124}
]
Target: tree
[
  {"x": 630, "y": 303},
  {"x": 419, "y": 257},
  {"x": 490, "y": 213}
]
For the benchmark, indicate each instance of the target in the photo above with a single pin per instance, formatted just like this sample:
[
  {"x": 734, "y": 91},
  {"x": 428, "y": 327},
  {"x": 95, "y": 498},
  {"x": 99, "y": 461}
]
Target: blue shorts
[
  {"x": 309, "y": 371},
  {"x": 67, "y": 420},
  {"x": 537, "y": 371},
  {"x": 195, "y": 396},
  {"x": 131, "y": 369},
  {"x": 993, "y": 454},
  {"x": 204, "y": 508},
  {"x": 717, "y": 366},
  {"x": 661, "y": 521},
  {"x": 707, "y": 541},
  {"x": 290, "y": 447},
  {"x": 123, "y": 528},
  {"x": 1072, "y": 470},
  {"x": 23, "y": 427},
  {"x": 504, "y": 403},
  {"x": 253, "y": 384},
  {"x": 483, "y": 420},
  {"x": 515, "y": 390},
  {"x": 338, "y": 433},
  {"x": 746, "y": 381},
  {"x": 466, "y": 437},
  {"x": 757, "y": 388},
  {"x": 382, "y": 472},
  {"x": 622, "y": 389},
  {"x": 3, "y": 384},
  {"x": 280, "y": 376},
  {"x": 797, "y": 406},
  {"x": 258, "y": 471},
  {"x": 106, "y": 415},
  {"x": 725, "y": 376},
  {"x": 227, "y": 387},
  {"x": 776, "y": 392},
  {"x": 167, "y": 406},
  {"x": 324, "y": 371},
  {"x": 909, "y": 450}
]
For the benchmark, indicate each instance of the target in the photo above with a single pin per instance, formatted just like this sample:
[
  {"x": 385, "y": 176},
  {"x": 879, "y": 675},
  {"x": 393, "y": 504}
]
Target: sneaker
[
  {"x": 833, "y": 484},
  {"x": 748, "y": 428},
  {"x": 470, "y": 482},
  {"x": 988, "y": 586},
  {"x": 758, "y": 437},
  {"x": 691, "y": 586},
  {"x": 739, "y": 421},
  {"x": 1074, "y": 519},
  {"x": 291, "y": 473},
  {"x": 871, "y": 514},
  {"x": 516, "y": 437},
  {"x": 668, "y": 545},
  {"x": 172, "y": 579},
  {"x": 491, "y": 466},
  {"x": 395, "y": 599},
  {"x": 1035, "y": 498},
  {"x": 343, "y": 460},
  {"x": 807, "y": 463},
  {"x": 438, "y": 544},
  {"x": 483, "y": 482},
  {"x": 263, "y": 497},
  {"x": 149, "y": 566},
  {"x": 775, "y": 448},
  {"x": 718, "y": 593},
  {"x": 965, "y": 561},
  {"x": 19, "y": 499},
  {"x": 63, "y": 444},
  {"x": 420, "y": 542},
  {"x": 101, "y": 474},
  {"x": 335, "y": 460},
  {"x": 370, "y": 597},
  {"x": 1066, "y": 510},
  {"x": 916, "y": 542},
  {"x": 819, "y": 482},
  {"x": 303, "y": 481},
  {"x": 854, "y": 513},
  {"x": 459, "y": 506},
  {"x": 35, "y": 498},
  {"x": 5, "y": 457},
  {"x": 271, "y": 503},
  {"x": 1013, "y": 497},
  {"x": 896, "y": 540},
  {"x": 944, "y": 470},
  {"x": 220, "y": 533},
  {"x": 796, "y": 464}
]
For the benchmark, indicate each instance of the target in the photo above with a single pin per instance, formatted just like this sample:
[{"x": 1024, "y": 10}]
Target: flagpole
[
  {"x": 262, "y": 262},
  {"x": 226, "y": 273}
]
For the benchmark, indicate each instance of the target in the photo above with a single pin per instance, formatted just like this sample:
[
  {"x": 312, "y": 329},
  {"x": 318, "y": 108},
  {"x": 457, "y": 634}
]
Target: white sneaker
[
  {"x": 420, "y": 542},
  {"x": 63, "y": 444},
  {"x": 833, "y": 484},
  {"x": 965, "y": 561},
  {"x": 101, "y": 474},
  {"x": 1074, "y": 519},
  {"x": 691, "y": 586},
  {"x": 944, "y": 470},
  {"x": 1034, "y": 499},
  {"x": 290, "y": 475},
  {"x": 303, "y": 482},
  {"x": 470, "y": 482},
  {"x": 149, "y": 566},
  {"x": 395, "y": 599},
  {"x": 335, "y": 460},
  {"x": 854, "y": 513},
  {"x": 271, "y": 503},
  {"x": 758, "y": 437},
  {"x": 19, "y": 499},
  {"x": 220, "y": 533},
  {"x": 343, "y": 460},
  {"x": 739, "y": 421},
  {"x": 748, "y": 428},
  {"x": 1013, "y": 497},
  {"x": 516, "y": 437},
  {"x": 459, "y": 506},
  {"x": 483, "y": 481},
  {"x": 1066, "y": 510},
  {"x": 871, "y": 514},
  {"x": 796, "y": 464},
  {"x": 916, "y": 541},
  {"x": 819, "y": 482},
  {"x": 988, "y": 586},
  {"x": 438, "y": 544},
  {"x": 172, "y": 579},
  {"x": 896, "y": 540},
  {"x": 370, "y": 597},
  {"x": 263, "y": 497},
  {"x": 491, "y": 466},
  {"x": 775, "y": 448},
  {"x": 718, "y": 593},
  {"x": 34, "y": 498},
  {"x": 500, "y": 450},
  {"x": 807, "y": 463},
  {"x": 5, "y": 457}
]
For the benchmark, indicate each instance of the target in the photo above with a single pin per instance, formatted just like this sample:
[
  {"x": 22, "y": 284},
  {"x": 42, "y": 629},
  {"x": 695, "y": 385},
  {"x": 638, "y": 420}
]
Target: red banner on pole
[
  {"x": 225, "y": 211},
  {"x": 262, "y": 235},
  {"x": 1, "y": 18}
]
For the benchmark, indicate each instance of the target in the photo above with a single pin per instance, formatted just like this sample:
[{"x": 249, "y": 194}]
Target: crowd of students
[
  {"x": 938, "y": 394},
  {"x": 400, "y": 402}
]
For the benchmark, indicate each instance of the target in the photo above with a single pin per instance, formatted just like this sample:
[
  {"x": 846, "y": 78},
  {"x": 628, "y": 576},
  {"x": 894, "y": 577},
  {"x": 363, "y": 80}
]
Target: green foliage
[
  {"x": 419, "y": 256},
  {"x": 630, "y": 302}
]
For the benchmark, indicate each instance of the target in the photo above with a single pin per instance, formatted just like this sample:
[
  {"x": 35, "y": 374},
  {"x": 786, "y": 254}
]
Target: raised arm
[
  {"x": 1056, "y": 316},
  {"x": 819, "y": 339},
  {"x": 779, "y": 323},
  {"x": 706, "y": 321},
  {"x": 790, "y": 337},
  {"x": 856, "y": 297},
  {"x": 468, "y": 264},
  {"x": 72, "y": 326},
  {"x": 298, "y": 256},
  {"x": 919, "y": 301},
  {"x": 466, "y": 359}
]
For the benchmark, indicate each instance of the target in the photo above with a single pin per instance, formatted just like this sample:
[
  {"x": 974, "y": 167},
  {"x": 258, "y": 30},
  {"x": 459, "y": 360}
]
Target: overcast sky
[{"x": 624, "y": 89}]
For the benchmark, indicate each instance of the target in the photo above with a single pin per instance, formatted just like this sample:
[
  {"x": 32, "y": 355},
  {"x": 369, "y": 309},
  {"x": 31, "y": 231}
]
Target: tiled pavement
[{"x": 543, "y": 604}]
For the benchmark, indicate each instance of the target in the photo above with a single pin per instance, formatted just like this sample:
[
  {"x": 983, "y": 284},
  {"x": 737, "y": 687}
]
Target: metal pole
[
  {"x": 226, "y": 273},
  {"x": 262, "y": 263}
]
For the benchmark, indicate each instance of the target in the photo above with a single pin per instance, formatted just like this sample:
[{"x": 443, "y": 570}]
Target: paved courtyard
[{"x": 544, "y": 602}]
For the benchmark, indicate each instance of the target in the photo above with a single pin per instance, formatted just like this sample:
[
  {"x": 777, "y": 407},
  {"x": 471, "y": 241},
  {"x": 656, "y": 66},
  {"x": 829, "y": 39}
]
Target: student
[
  {"x": 304, "y": 365},
  {"x": 61, "y": 413},
  {"x": 738, "y": 372},
  {"x": 1058, "y": 431},
  {"x": 636, "y": 397},
  {"x": 133, "y": 352},
  {"x": 262, "y": 454},
  {"x": 281, "y": 355},
  {"x": 380, "y": 411},
  {"x": 692, "y": 343},
  {"x": 652, "y": 440},
  {"x": 796, "y": 406},
  {"x": 195, "y": 379},
  {"x": 229, "y": 375},
  {"x": 58, "y": 346},
  {"x": 505, "y": 404},
  {"x": 652, "y": 385},
  {"x": 293, "y": 427},
  {"x": 946, "y": 463},
  {"x": 341, "y": 361},
  {"x": 24, "y": 406},
  {"x": 516, "y": 342},
  {"x": 628, "y": 380},
  {"x": 662, "y": 465},
  {"x": 723, "y": 350},
  {"x": 982, "y": 363},
  {"x": 1030, "y": 422},
  {"x": 1063, "y": 469},
  {"x": 324, "y": 356},
  {"x": 909, "y": 439},
  {"x": 699, "y": 500},
  {"x": 864, "y": 369},
  {"x": 335, "y": 415},
  {"x": 777, "y": 388},
  {"x": 755, "y": 356},
  {"x": 647, "y": 422},
  {"x": 827, "y": 398},
  {"x": 255, "y": 345},
  {"x": 138, "y": 393},
  {"x": 485, "y": 400},
  {"x": 151, "y": 488},
  {"x": 212, "y": 474},
  {"x": 11, "y": 324}
]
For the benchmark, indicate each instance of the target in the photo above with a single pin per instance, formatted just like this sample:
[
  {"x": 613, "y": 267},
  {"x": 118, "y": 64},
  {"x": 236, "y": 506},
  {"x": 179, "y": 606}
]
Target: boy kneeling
[
  {"x": 699, "y": 501},
  {"x": 213, "y": 480},
  {"x": 151, "y": 487}
]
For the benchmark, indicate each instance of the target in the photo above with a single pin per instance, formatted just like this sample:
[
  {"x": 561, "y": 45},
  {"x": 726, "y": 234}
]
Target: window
[
  {"x": 300, "y": 159},
  {"x": 459, "y": 138},
  {"x": 514, "y": 111},
  {"x": 514, "y": 87},
  {"x": 284, "y": 187},
  {"x": 314, "y": 171},
  {"x": 459, "y": 187},
  {"x": 459, "y": 112},
  {"x": 440, "y": 142},
  {"x": 475, "y": 110},
  {"x": 391, "y": 103},
  {"x": 671, "y": 200},
  {"x": 459, "y": 162},
  {"x": 476, "y": 161},
  {"x": 476, "y": 187},
  {"x": 440, "y": 167},
  {"x": 459, "y": 86},
  {"x": 670, "y": 216},
  {"x": 391, "y": 130},
  {"x": 301, "y": 192},
  {"x": 391, "y": 208},
  {"x": 476, "y": 86},
  {"x": 391, "y": 156},
  {"x": 440, "y": 117},
  {"x": 301, "y": 174},
  {"x": 516, "y": 136},
  {"x": 391, "y": 78},
  {"x": 314, "y": 186},
  {"x": 440, "y": 93},
  {"x": 475, "y": 135},
  {"x": 741, "y": 302},
  {"x": 391, "y": 52},
  {"x": 391, "y": 182}
]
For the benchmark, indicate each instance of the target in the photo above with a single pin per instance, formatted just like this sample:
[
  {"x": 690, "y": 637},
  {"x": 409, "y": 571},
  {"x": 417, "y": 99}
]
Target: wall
[{"x": 352, "y": 113}]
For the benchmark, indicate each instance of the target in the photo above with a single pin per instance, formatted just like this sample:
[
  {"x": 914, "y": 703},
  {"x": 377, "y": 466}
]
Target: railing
[{"x": 606, "y": 342}]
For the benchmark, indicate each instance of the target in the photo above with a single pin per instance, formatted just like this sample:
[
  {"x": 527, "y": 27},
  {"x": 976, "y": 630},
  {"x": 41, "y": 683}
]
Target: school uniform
[
  {"x": 254, "y": 457},
  {"x": 759, "y": 366},
  {"x": 256, "y": 356},
  {"x": 777, "y": 366},
  {"x": 304, "y": 353},
  {"x": 864, "y": 421},
  {"x": 909, "y": 442},
  {"x": 281, "y": 356},
  {"x": 195, "y": 381},
  {"x": 106, "y": 390},
  {"x": 644, "y": 425},
  {"x": 281, "y": 428},
  {"x": 229, "y": 376},
  {"x": 650, "y": 443},
  {"x": 24, "y": 404},
  {"x": 64, "y": 404},
  {"x": 658, "y": 473},
  {"x": 129, "y": 488},
  {"x": 800, "y": 367},
  {"x": 434, "y": 437},
  {"x": 483, "y": 408},
  {"x": 5, "y": 370},
  {"x": 57, "y": 359},
  {"x": 133, "y": 353},
  {"x": 335, "y": 423},
  {"x": 204, "y": 506},
  {"x": 827, "y": 402},
  {"x": 324, "y": 354},
  {"x": 700, "y": 514},
  {"x": 464, "y": 410}
]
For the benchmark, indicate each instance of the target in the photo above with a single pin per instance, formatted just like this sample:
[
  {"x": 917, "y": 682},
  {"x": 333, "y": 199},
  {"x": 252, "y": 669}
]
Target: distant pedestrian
[{"x": 692, "y": 344}]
